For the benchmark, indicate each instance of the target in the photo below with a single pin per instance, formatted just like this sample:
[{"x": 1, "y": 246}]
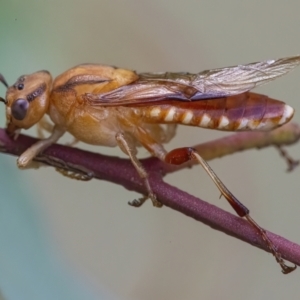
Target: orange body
[
  {"x": 98, "y": 124},
  {"x": 95, "y": 102},
  {"x": 137, "y": 106}
]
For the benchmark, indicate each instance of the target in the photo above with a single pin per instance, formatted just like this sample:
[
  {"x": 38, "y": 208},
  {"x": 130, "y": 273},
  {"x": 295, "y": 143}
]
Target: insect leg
[
  {"x": 182, "y": 155},
  {"x": 27, "y": 156},
  {"x": 170, "y": 132},
  {"x": 44, "y": 125},
  {"x": 292, "y": 163},
  {"x": 75, "y": 173},
  {"x": 128, "y": 148}
]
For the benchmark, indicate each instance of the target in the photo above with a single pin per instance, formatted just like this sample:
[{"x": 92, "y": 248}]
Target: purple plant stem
[{"x": 121, "y": 171}]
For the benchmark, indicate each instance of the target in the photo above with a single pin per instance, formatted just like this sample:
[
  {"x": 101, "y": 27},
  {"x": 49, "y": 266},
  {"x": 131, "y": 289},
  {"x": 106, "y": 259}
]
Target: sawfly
[{"x": 109, "y": 106}]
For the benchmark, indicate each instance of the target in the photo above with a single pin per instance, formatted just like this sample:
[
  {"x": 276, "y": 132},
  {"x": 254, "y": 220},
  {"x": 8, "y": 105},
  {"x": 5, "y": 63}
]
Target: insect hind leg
[
  {"x": 129, "y": 148},
  {"x": 182, "y": 155}
]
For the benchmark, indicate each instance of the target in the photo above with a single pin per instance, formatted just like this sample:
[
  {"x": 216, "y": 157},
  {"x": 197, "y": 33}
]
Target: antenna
[{"x": 2, "y": 79}]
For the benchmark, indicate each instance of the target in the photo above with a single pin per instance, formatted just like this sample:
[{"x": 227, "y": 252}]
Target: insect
[{"x": 103, "y": 105}]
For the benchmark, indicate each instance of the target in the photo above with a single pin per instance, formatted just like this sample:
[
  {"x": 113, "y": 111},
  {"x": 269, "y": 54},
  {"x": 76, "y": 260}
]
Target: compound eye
[
  {"x": 20, "y": 86},
  {"x": 19, "y": 109}
]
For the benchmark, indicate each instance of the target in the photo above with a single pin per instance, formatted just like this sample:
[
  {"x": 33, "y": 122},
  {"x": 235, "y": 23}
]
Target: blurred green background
[{"x": 64, "y": 239}]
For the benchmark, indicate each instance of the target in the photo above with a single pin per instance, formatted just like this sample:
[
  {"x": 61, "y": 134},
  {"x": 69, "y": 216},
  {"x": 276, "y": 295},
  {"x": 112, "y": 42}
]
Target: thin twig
[{"x": 108, "y": 168}]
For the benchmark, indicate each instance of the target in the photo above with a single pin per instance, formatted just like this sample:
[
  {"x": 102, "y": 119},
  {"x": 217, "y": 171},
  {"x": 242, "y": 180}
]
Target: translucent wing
[{"x": 152, "y": 87}]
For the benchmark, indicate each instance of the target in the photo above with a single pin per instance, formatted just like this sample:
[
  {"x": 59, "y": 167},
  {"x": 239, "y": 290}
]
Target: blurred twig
[{"x": 121, "y": 171}]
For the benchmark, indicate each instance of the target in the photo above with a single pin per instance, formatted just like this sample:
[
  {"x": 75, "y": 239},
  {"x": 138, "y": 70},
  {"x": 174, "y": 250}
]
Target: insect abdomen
[{"x": 247, "y": 111}]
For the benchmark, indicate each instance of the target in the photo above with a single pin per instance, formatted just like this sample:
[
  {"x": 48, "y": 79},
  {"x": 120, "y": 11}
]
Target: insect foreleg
[
  {"x": 182, "y": 155},
  {"x": 27, "y": 156},
  {"x": 128, "y": 148},
  {"x": 44, "y": 125}
]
